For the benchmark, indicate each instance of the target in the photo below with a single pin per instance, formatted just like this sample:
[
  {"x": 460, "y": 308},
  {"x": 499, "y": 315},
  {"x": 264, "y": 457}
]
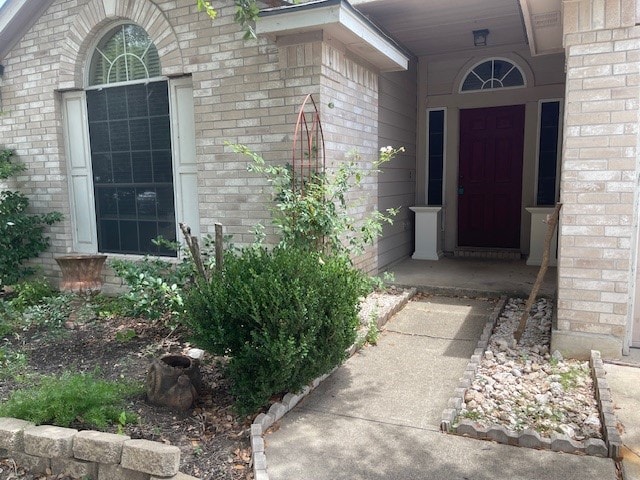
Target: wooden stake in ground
[
  {"x": 218, "y": 245},
  {"x": 552, "y": 223},
  {"x": 194, "y": 249}
]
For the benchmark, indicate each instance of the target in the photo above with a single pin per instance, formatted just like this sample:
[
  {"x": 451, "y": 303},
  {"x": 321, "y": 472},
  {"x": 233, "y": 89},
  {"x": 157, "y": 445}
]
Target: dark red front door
[{"x": 490, "y": 177}]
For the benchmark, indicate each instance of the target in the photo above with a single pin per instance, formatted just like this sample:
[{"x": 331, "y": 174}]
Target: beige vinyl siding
[
  {"x": 439, "y": 80},
  {"x": 397, "y": 184}
]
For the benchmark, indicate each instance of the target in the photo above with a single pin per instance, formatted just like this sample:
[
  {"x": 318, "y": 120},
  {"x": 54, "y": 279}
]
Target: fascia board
[{"x": 339, "y": 22}]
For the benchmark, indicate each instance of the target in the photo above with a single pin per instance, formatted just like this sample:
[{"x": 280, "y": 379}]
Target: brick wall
[
  {"x": 352, "y": 126},
  {"x": 244, "y": 91},
  {"x": 599, "y": 172}
]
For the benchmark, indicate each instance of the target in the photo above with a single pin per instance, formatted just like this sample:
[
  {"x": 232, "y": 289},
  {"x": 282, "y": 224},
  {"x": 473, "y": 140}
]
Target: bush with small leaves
[{"x": 284, "y": 317}]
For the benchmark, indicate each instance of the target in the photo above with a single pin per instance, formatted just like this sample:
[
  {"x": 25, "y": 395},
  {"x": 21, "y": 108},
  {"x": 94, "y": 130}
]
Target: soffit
[
  {"x": 431, "y": 27},
  {"x": 336, "y": 19},
  {"x": 543, "y": 19}
]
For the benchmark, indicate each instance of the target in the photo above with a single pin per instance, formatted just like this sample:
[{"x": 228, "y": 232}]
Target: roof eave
[
  {"x": 339, "y": 20},
  {"x": 16, "y": 18}
]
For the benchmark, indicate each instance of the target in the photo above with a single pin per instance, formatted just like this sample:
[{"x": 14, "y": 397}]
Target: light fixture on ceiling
[{"x": 480, "y": 37}]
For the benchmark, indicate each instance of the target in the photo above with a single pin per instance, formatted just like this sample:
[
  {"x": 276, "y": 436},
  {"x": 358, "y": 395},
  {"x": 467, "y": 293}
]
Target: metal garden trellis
[{"x": 308, "y": 152}]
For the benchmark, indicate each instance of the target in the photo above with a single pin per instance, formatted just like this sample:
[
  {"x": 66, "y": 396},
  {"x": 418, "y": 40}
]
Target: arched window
[
  {"x": 126, "y": 53},
  {"x": 492, "y": 74},
  {"x": 130, "y": 140}
]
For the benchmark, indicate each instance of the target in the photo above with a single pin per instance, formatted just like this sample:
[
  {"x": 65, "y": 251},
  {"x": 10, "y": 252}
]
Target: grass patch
[
  {"x": 571, "y": 379},
  {"x": 72, "y": 398}
]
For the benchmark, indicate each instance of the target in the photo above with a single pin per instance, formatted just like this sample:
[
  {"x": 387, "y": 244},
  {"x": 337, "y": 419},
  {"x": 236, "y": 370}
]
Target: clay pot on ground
[{"x": 174, "y": 381}]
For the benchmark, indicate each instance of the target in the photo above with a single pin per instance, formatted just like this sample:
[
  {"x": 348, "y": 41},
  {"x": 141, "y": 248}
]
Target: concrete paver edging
[
  {"x": 528, "y": 438},
  {"x": 608, "y": 419},
  {"x": 86, "y": 454},
  {"x": 265, "y": 420}
]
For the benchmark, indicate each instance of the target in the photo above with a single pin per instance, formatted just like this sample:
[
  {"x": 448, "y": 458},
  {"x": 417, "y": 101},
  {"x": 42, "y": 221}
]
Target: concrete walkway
[
  {"x": 624, "y": 381},
  {"x": 377, "y": 417}
]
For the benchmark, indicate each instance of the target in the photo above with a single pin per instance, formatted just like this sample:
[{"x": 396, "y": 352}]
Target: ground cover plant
[{"x": 72, "y": 398}]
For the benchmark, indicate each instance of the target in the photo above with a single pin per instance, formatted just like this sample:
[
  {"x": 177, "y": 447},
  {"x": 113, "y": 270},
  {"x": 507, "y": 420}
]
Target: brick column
[
  {"x": 345, "y": 89},
  {"x": 599, "y": 177}
]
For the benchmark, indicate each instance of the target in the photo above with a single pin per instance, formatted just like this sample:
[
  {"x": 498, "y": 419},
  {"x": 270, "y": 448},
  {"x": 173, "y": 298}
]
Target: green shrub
[
  {"x": 34, "y": 304},
  {"x": 155, "y": 286},
  {"x": 284, "y": 317},
  {"x": 21, "y": 234},
  {"x": 30, "y": 293},
  {"x": 79, "y": 398}
]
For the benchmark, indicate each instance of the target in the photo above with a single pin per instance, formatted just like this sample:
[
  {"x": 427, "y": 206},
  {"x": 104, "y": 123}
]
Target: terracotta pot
[{"x": 81, "y": 273}]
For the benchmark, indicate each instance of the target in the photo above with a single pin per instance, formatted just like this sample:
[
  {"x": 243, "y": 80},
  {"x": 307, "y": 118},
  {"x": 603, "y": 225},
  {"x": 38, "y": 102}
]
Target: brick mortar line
[
  {"x": 529, "y": 438},
  {"x": 265, "y": 420}
]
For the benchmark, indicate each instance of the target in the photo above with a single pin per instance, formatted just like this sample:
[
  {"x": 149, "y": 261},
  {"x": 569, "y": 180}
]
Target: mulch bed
[{"x": 214, "y": 442}]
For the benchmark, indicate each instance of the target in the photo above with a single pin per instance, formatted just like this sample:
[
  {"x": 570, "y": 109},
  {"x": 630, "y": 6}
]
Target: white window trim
[
  {"x": 130, "y": 82},
  {"x": 79, "y": 171},
  {"x": 78, "y": 153},
  {"x": 94, "y": 45},
  {"x": 489, "y": 59},
  {"x": 183, "y": 161},
  {"x": 558, "y": 146}
]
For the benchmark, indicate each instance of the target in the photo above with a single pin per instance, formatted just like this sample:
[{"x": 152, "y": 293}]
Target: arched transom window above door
[
  {"x": 493, "y": 74},
  {"x": 124, "y": 54}
]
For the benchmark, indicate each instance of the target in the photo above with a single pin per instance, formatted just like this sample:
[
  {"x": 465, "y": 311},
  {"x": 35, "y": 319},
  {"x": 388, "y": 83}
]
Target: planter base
[{"x": 81, "y": 273}]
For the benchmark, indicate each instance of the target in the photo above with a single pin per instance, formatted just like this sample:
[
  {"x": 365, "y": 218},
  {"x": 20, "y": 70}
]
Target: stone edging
[
  {"x": 530, "y": 438},
  {"x": 605, "y": 406},
  {"x": 455, "y": 403},
  {"x": 265, "y": 420},
  {"x": 87, "y": 453}
]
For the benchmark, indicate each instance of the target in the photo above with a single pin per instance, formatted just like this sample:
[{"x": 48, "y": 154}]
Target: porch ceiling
[{"x": 429, "y": 27}]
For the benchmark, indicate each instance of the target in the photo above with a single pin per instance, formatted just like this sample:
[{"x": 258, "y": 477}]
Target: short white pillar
[
  {"x": 428, "y": 233},
  {"x": 538, "y": 231}
]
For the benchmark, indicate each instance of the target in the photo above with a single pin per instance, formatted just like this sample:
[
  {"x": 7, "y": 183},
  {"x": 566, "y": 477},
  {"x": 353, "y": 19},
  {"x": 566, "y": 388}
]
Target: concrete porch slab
[{"x": 473, "y": 276}]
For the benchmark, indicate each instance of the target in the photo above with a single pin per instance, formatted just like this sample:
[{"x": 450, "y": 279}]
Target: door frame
[{"x": 633, "y": 327}]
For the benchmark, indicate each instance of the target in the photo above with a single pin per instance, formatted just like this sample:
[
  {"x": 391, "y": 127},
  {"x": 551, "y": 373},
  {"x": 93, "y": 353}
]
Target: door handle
[{"x": 460, "y": 190}]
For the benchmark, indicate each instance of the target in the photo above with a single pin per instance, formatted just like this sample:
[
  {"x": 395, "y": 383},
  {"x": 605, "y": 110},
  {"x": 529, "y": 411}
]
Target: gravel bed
[{"x": 524, "y": 386}]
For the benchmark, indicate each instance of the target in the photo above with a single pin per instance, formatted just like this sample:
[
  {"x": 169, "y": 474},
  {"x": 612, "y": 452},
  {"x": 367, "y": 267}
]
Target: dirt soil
[{"x": 214, "y": 442}]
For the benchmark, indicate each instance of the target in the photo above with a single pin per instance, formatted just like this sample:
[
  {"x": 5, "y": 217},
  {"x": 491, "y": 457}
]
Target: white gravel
[{"x": 525, "y": 386}]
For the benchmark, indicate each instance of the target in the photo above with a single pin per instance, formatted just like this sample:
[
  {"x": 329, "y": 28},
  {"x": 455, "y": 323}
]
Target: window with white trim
[
  {"x": 130, "y": 139},
  {"x": 493, "y": 74},
  {"x": 124, "y": 54}
]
